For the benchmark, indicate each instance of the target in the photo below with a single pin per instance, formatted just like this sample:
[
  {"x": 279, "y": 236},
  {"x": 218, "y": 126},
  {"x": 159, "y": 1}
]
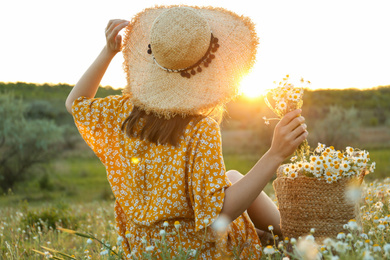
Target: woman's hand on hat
[
  {"x": 289, "y": 133},
  {"x": 113, "y": 38}
]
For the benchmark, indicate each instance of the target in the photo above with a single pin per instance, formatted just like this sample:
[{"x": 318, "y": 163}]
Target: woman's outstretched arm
[
  {"x": 88, "y": 84},
  {"x": 288, "y": 134}
]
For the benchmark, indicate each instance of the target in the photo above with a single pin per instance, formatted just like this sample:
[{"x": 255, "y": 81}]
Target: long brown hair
[{"x": 157, "y": 130}]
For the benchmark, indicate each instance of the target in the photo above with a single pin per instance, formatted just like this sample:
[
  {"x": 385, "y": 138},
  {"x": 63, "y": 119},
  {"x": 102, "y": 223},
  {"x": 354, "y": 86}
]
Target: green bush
[
  {"x": 339, "y": 127},
  {"x": 45, "y": 219},
  {"x": 24, "y": 143}
]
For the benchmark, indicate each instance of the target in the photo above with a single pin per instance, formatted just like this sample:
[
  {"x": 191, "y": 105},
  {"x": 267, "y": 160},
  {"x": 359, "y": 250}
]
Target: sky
[{"x": 334, "y": 44}]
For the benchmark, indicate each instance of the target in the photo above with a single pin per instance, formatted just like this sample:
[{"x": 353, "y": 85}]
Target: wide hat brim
[{"x": 168, "y": 93}]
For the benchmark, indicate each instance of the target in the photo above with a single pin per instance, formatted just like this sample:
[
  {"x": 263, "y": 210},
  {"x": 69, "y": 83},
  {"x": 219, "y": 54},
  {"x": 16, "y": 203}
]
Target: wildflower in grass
[
  {"x": 309, "y": 238},
  {"x": 341, "y": 247},
  {"x": 48, "y": 255},
  {"x": 312, "y": 230},
  {"x": 352, "y": 224},
  {"x": 367, "y": 243},
  {"x": 367, "y": 255},
  {"x": 293, "y": 241},
  {"x": 379, "y": 205},
  {"x": 376, "y": 248},
  {"x": 381, "y": 227},
  {"x": 89, "y": 241},
  {"x": 386, "y": 248},
  {"x": 119, "y": 240},
  {"x": 269, "y": 250},
  {"x": 104, "y": 252},
  {"x": 165, "y": 224},
  {"x": 358, "y": 244},
  {"x": 177, "y": 225},
  {"x": 162, "y": 232},
  {"x": 270, "y": 228},
  {"x": 206, "y": 221},
  {"x": 341, "y": 235}
]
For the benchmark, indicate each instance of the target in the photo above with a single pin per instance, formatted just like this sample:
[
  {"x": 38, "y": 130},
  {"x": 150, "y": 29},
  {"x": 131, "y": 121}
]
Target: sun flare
[{"x": 251, "y": 87}]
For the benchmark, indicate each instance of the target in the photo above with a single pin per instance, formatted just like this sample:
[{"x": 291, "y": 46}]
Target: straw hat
[{"x": 182, "y": 60}]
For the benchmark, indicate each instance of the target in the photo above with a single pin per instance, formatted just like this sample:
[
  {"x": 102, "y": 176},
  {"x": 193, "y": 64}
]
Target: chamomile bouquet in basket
[{"x": 318, "y": 189}]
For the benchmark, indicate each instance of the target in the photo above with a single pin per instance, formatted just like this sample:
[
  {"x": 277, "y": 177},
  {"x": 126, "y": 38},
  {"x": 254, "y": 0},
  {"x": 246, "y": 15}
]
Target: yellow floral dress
[{"x": 157, "y": 184}]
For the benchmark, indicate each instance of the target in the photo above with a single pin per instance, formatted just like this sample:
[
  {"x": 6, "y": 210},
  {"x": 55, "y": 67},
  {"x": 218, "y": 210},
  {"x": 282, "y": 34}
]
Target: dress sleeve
[
  {"x": 99, "y": 119},
  {"x": 208, "y": 180}
]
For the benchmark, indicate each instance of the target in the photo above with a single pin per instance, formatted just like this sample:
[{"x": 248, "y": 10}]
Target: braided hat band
[
  {"x": 182, "y": 60},
  {"x": 205, "y": 60}
]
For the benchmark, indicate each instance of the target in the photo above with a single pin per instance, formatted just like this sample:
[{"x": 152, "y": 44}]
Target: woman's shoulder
[
  {"x": 204, "y": 123},
  {"x": 201, "y": 128}
]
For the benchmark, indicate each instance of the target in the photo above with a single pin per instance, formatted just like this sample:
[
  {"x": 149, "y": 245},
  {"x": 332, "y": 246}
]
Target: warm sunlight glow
[{"x": 251, "y": 87}]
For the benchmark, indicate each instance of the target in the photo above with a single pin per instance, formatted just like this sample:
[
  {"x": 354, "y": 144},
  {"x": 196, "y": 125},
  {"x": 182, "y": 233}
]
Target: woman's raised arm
[
  {"x": 288, "y": 134},
  {"x": 88, "y": 84}
]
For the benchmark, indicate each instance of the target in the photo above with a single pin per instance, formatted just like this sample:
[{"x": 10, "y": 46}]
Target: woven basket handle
[
  {"x": 279, "y": 171},
  {"x": 361, "y": 175}
]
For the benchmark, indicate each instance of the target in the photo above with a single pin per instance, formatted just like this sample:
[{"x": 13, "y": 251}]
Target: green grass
[
  {"x": 81, "y": 177},
  {"x": 18, "y": 240},
  {"x": 75, "y": 179},
  {"x": 382, "y": 159}
]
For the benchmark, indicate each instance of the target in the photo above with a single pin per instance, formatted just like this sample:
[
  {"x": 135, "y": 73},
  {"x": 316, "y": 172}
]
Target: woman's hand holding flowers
[{"x": 289, "y": 133}]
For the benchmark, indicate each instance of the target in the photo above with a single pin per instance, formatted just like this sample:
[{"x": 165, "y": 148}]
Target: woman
[{"x": 158, "y": 142}]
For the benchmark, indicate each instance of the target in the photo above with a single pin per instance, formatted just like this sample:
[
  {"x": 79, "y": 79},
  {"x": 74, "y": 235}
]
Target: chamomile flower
[
  {"x": 341, "y": 235},
  {"x": 177, "y": 224},
  {"x": 372, "y": 167},
  {"x": 349, "y": 150},
  {"x": 381, "y": 227},
  {"x": 352, "y": 224},
  {"x": 376, "y": 248},
  {"x": 269, "y": 250},
  {"x": 281, "y": 106},
  {"x": 293, "y": 175}
]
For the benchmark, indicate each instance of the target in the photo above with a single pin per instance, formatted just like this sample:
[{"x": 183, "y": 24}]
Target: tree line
[{"x": 35, "y": 126}]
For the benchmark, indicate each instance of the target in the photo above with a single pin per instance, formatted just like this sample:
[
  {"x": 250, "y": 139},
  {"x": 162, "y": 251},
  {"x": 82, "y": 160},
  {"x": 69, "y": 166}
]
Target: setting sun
[{"x": 251, "y": 86}]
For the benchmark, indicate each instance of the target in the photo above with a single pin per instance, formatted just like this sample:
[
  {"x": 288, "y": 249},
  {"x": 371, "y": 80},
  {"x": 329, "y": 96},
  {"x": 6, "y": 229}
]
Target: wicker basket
[{"x": 306, "y": 202}]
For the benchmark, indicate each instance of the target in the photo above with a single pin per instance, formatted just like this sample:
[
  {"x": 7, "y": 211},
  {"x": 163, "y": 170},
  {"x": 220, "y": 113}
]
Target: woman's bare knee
[{"x": 234, "y": 176}]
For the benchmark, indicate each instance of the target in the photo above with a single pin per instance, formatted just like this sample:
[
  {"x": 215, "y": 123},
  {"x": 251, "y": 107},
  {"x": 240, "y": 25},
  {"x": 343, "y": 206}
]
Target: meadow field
[{"x": 70, "y": 189}]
